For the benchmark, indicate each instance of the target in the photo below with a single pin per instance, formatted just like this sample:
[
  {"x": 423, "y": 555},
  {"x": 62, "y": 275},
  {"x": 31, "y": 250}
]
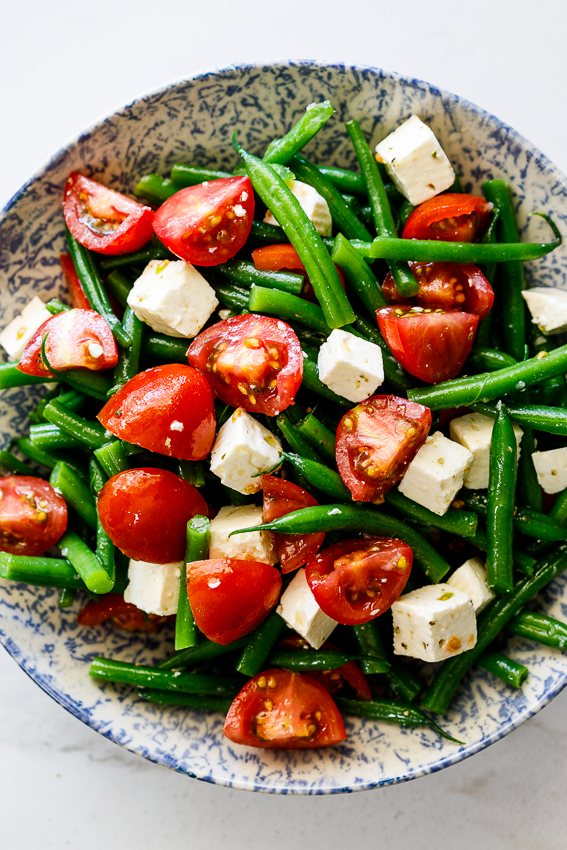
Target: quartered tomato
[
  {"x": 103, "y": 220},
  {"x": 168, "y": 409},
  {"x": 229, "y": 598},
  {"x": 76, "y": 339},
  {"x": 124, "y": 615},
  {"x": 450, "y": 286},
  {"x": 357, "y": 580},
  {"x": 253, "y": 362},
  {"x": 281, "y": 498},
  {"x": 450, "y": 218},
  {"x": 333, "y": 680},
  {"x": 281, "y": 710},
  {"x": 432, "y": 345},
  {"x": 274, "y": 258},
  {"x": 32, "y": 516},
  {"x": 145, "y": 513},
  {"x": 376, "y": 441},
  {"x": 207, "y": 224},
  {"x": 76, "y": 291}
]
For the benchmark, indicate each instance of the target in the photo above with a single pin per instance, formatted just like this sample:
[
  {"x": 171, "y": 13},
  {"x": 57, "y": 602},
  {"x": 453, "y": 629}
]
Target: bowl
[{"x": 193, "y": 121}]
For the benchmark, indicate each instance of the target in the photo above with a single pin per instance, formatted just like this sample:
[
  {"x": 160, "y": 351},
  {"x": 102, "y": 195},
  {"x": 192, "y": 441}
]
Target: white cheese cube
[
  {"x": 18, "y": 333},
  {"x": 254, "y": 546},
  {"x": 350, "y": 366},
  {"x": 154, "y": 588},
  {"x": 243, "y": 448},
  {"x": 474, "y": 432},
  {"x": 548, "y": 306},
  {"x": 470, "y": 577},
  {"x": 313, "y": 205},
  {"x": 551, "y": 469},
  {"x": 436, "y": 473},
  {"x": 415, "y": 161},
  {"x": 172, "y": 298},
  {"x": 302, "y": 613},
  {"x": 434, "y": 623}
]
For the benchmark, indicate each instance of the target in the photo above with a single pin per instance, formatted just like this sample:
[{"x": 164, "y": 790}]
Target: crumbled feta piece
[
  {"x": 243, "y": 448},
  {"x": 350, "y": 366},
  {"x": 154, "y": 588},
  {"x": 548, "y": 306},
  {"x": 474, "y": 432},
  {"x": 415, "y": 161},
  {"x": 254, "y": 546},
  {"x": 18, "y": 333},
  {"x": 551, "y": 469},
  {"x": 470, "y": 577},
  {"x": 434, "y": 623},
  {"x": 436, "y": 473},
  {"x": 173, "y": 298},
  {"x": 302, "y": 613},
  {"x": 312, "y": 203}
]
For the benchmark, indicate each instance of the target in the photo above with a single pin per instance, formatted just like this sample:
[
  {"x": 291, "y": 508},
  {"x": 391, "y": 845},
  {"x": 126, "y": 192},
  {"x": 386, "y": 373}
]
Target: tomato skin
[
  {"x": 357, "y": 580},
  {"x": 449, "y": 286},
  {"x": 32, "y": 516},
  {"x": 333, "y": 680},
  {"x": 431, "y": 346},
  {"x": 282, "y": 497},
  {"x": 76, "y": 291},
  {"x": 145, "y": 512},
  {"x": 91, "y": 211},
  {"x": 239, "y": 352},
  {"x": 229, "y": 598},
  {"x": 450, "y": 218},
  {"x": 388, "y": 431},
  {"x": 223, "y": 208},
  {"x": 124, "y": 615},
  {"x": 273, "y": 258},
  {"x": 143, "y": 411},
  {"x": 278, "y": 709}
]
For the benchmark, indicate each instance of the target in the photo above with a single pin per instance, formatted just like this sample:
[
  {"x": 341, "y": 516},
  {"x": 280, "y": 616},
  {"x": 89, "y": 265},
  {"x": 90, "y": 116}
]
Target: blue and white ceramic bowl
[{"x": 193, "y": 121}]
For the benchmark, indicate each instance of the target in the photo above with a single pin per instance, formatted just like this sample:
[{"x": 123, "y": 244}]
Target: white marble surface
[{"x": 63, "y": 65}]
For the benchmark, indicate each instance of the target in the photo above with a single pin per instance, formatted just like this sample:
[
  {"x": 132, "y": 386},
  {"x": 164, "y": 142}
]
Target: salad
[{"x": 245, "y": 337}]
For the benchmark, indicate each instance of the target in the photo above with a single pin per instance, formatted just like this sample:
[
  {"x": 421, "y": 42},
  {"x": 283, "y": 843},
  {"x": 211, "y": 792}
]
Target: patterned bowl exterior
[{"x": 193, "y": 121}]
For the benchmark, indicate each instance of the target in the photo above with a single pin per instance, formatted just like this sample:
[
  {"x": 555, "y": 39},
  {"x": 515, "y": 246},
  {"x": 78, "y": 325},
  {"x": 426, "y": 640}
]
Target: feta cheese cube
[
  {"x": 548, "y": 306},
  {"x": 436, "y": 473},
  {"x": 243, "y": 448},
  {"x": 470, "y": 577},
  {"x": 350, "y": 366},
  {"x": 434, "y": 623},
  {"x": 172, "y": 298},
  {"x": 302, "y": 613},
  {"x": 254, "y": 546},
  {"x": 18, "y": 333},
  {"x": 154, "y": 588},
  {"x": 415, "y": 161},
  {"x": 474, "y": 432},
  {"x": 551, "y": 469},
  {"x": 313, "y": 205}
]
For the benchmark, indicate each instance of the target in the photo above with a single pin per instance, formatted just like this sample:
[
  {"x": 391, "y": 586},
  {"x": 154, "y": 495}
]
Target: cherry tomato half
[
  {"x": 253, "y": 362},
  {"x": 280, "y": 498},
  {"x": 207, "y": 224},
  {"x": 229, "y": 598},
  {"x": 450, "y": 286},
  {"x": 145, "y": 513},
  {"x": 168, "y": 409},
  {"x": 450, "y": 218},
  {"x": 103, "y": 220},
  {"x": 433, "y": 346},
  {"x": 76, "y": 291},
  {"x": 376, "y": 441},
  {"x": 357, "y": 580},
  {"x": 32, "y": 516},
  {"x": 282, "y": 710},
  {"x": 124, "y": 615},
  {"x": 273, "y": 258},
  {"x": 333, "y": 680}
]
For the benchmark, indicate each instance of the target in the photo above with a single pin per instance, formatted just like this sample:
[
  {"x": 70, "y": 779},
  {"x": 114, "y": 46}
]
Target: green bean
[
  {"x": 281, "y": 150},
  {"x": 459, "y": 523},
  {"x": 163, "y": 680},
  {"x": 538, "y": 627},
  {"x": 267, "y": 234},
  {"x": 235, "y": 297},
  {"x": 129, "y": 360},
  {"x": 510, "y": 671},
  {"x": 143, "y": 256},
  {"x": 205, "y": 650},
  {"x": 40, "y": 572},
  {"x": 528, "y": 484},
  {"x": 36, "y": 416},
  {"x": 404, "y": 213},
  {"x": 559, "y": 509},
  {"x": 47, "y": 437},
  {"x": 167, "y": 349},
  {"x": 402, "y": 713},
  {"x": 501, "y": 499},
  {"x": 371, "y": 646},
  {"x": 155, "y": 188},
  {"x": 403, "y": 682},
  {"x": 95, "y": 384},
  {"x": 313, "y": 384},
  {"x": 48, "y": 459},
  {"x": 319, "y": 436},
  {"x": 12, "y": 464},
  {"x": 526, "y": 520},
  {"x": 523, "y": 562},
  {"x": 488, "y": 360},
  {"x": 105, "y": 549},
  {"x": 288, "y": 307},
  {"x": 75, "y": 492},
  {"x": 552, "y": 420},
  {"x": 260, "y": 644},
  {"x": 85, "y": 563},
  {"x": 345, "y": 181},
  {"x": 295, "y": 439},
  {"x": 352, "y": 203},
  {"x": 10, "y": 376},
  {"x": 112, "y": 458},
  {"x": 190, "y": 175},
  {"x": 300, "y": 661},
  {"x": 55, "y": 306},
  {"x": 119, "y": 285},
  {"x": 86, "y": 431},
  {"x": 196, "y": 701},
  {"x": 553, "y": 391},
  {"x": 70, "y": 399},
  {"x": 246, "y": 274},
  {"x": 320, "y": 477},
  {"x": 191, "y": 471},
  {"x": 67, "y": 597},
  {"x": 359, "y": 274},
  {"x": 198, "y": 541}
]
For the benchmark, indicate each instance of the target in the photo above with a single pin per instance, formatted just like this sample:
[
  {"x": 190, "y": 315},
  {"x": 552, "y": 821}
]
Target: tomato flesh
[
  {"x": 274, "y": 258},
  {"x": 124, "y": 615},
  {"x": 279, "y": 709},
  {"x": 32, "y": 516},
  {"x": 280, "y": 498},
  {"x": 450, "y": 218},
  {"x": 449, "y": 286}
]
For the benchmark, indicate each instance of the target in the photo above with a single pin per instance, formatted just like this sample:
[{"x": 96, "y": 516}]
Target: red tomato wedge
[
  {"x": 253, "y": 362},
  {"x": 168, "y": 409},
  {"x": 282, "y": 710},
  {"x": 281, "y": 498},
  {"x": 104, "y": 220},
  {"x": 76, "y": 291},
  {"x": 32, "y": 516},
  {"x": 273, "y": 258},
  {"x": 145, "y": 513},
  {"x": 450, "y": 286},
  {"x": 124, "y": 615},
  {"x": 76, "y": 339},
  {"x": 209, "y": 223},
  {"x": 450, "y": 218},
  {"x": 376, "y": 441},
  {"x": 229, "y": 598},
  {"x": 334, "y": 680},
  {"x": 433, "y": 346},
  {"x": 357, "y": 580}
]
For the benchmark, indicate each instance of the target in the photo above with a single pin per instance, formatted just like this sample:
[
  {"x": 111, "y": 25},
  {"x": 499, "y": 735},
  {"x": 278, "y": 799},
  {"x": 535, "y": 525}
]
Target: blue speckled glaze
[{"x": 193, "y": 121}]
